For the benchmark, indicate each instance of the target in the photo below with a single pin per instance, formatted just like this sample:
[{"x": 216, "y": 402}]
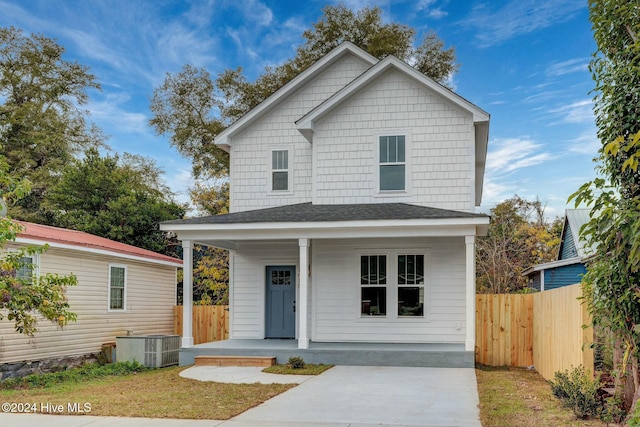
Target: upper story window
[
  {"x": 280, "y": 170},
  {"x": 392, "y": 163},
  {"x": 117, "y": 287}
]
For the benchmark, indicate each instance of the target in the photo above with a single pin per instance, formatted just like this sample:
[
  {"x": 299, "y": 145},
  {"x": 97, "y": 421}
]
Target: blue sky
[{"x": 523, "y": 61}]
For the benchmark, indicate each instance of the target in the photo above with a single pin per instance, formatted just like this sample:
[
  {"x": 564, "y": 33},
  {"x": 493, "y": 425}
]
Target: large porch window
[{"x": 401, "y": 283}]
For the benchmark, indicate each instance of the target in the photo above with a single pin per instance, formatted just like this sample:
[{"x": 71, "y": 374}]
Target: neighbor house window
[
  {"x": 392, "y": 163},
  {"x": 28, "y": 265},
  {"x": 117, "y": 287},
  {"x": 410, "y": 285},
  {"x": 280, "y": 170},
  {"x": 373, "y": 283}
]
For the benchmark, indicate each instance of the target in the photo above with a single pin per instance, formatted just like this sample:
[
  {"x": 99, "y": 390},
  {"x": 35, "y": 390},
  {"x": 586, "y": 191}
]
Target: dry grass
[
  {"x": 516, "y": 397},
  {"x": 159, "y": 393},
  {"x": 308, "y": 369}
]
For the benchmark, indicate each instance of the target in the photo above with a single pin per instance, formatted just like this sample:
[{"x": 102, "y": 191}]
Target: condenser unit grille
[{"x": 155, "y": 351}]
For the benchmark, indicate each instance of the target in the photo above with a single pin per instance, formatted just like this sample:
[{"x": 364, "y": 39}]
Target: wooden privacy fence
[
  {"x": 210, "y": 322},
  {"x": 544, "y": 330}
]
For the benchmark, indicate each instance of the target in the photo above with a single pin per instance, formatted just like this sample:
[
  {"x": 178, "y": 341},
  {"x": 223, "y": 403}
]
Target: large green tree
[
  {"x": 117, "y": 197},
  {"x": 192, "y": 108},
  {"x": 23, "y": 293},
  {"x": 612, "y": 283},
  {"x": 42, "y": 124},
  {"x": 519, "y": 236}
]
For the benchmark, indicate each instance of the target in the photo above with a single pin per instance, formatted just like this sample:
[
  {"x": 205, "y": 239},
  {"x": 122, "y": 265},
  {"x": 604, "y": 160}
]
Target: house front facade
[{"x": 352, "y": 214}]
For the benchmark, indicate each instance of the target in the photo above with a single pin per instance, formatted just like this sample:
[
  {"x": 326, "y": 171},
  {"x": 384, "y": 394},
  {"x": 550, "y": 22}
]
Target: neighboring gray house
[
  {"x": 353, "y": 195},
  {"x": 569, "y": 267}
]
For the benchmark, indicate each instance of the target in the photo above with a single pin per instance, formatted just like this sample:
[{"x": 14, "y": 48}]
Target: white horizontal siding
[
  {"x": 248, "y": 286},
  {"x": 150, "y": 299},
  {"x": 441, "y": 144},
  {"x": 336, "y": 296},
  {"x": 250, "y": 151}
]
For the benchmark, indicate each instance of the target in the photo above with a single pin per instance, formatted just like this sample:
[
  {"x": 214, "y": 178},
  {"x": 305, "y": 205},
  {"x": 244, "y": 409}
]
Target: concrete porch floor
[{"x": 338, "y": 353}]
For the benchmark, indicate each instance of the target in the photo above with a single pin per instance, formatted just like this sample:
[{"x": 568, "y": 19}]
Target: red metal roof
[{"x": 81, "y": 239}]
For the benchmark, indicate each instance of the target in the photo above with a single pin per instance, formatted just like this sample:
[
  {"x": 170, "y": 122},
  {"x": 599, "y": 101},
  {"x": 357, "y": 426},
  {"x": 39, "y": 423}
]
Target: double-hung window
[
  {"x": 373, "y": 284},
  {"x": 410, "y": 285},
  {"x": 280, "y": 170},
  {"x": 392, "y": 163},
  {"x": 28, "y": 267},
  {"x": 396, "y": 279},
  {"x": 117, "y": 287}
]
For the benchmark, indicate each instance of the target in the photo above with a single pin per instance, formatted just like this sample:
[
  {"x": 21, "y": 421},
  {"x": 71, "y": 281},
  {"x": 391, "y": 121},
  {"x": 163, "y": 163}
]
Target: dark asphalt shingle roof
[{"x": 307, "y": 212}]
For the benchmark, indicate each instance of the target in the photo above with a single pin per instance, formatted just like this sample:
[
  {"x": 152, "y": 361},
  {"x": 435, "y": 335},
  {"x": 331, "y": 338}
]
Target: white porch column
[
  {"x": 303, "y": 339},
  {"x": 470, "y": 341},
  {"x": 187, "y": 293}
]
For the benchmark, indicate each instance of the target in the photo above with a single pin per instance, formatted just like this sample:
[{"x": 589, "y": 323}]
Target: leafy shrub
[
  {"x": 88, "y": 371},
  {"x": 613, "y": 411},
  {"x": 296, "y": 362},
  {"x": 579, "y": 391},
  {"x": 634, "y": 419}
]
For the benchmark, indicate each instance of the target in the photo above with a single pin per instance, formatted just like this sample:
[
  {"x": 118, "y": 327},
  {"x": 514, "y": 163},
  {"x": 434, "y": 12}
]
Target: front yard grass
[
  {"x": 159, "y": 393},
  {"x": 517, "y": 397}
]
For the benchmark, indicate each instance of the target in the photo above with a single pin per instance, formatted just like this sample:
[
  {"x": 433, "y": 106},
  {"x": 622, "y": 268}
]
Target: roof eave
[{"x": 99, "y": 251}]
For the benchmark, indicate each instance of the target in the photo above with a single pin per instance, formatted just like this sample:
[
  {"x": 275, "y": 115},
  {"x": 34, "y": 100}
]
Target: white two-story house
[{"x": 352, "y": 215}]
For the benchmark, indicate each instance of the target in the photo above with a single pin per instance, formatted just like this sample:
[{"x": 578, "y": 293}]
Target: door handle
[{"x": 294, "y": 306}]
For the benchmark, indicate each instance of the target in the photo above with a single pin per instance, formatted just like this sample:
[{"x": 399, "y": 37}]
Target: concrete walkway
[{"x": 356, "y": 396}]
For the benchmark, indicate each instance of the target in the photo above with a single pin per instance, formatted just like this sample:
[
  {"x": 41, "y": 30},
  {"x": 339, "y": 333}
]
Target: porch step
[{"x": 263, "y": 361}]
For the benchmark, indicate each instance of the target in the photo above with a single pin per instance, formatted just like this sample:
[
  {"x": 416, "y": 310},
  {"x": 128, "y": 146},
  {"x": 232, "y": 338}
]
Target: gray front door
[{"x": 281, "y": 295}]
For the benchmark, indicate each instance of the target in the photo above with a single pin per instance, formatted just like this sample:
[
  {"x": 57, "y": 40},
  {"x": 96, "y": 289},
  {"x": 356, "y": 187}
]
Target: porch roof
[
  {"x": 308, "y": 212},
  {"x": 306, "y": 220}
]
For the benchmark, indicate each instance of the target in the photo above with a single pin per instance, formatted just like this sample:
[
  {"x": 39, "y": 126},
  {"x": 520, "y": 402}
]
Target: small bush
[
  {"x": 613, "y": 411},
  {"x": 579, "y": 391},
  {"x": 296, "y": 362},
  {"x": 634, "y": 416},
  {"x": 88, "y": 371}
]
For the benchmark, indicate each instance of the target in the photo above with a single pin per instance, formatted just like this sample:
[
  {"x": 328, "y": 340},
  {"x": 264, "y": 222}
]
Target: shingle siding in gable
[
  {"x": 250, "y": 151},
  {"x": 441, "y": 146}
]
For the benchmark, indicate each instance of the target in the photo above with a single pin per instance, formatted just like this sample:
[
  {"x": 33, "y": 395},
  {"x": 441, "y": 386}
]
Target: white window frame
[
  {"x": 385, "y": 285},
  {"x": 289, "y": 170},
  {"x": 422, "y": 285},
  {"x": 406, "y": 163},
  {"x": 392, "y": 285},
  {"x": 124, "y": 292},
  {"x": 35, "y": 264}
]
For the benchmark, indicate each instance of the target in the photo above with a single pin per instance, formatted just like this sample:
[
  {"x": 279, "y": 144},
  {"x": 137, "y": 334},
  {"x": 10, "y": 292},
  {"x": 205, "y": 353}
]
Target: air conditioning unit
[{"x": 153, "y": 351}]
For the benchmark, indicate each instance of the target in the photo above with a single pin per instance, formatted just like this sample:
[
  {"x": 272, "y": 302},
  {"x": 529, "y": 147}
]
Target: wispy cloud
[
  {"x": 567, "y": 67},
  {"x": 576, "y": 112},
  {"x": 516, "y": 17},
  {"x": 586, "y": 143},
  {"x": 111, "y": 113},
  {"x": 512, "y": 154},
  {"x": 428, "y": 8}
]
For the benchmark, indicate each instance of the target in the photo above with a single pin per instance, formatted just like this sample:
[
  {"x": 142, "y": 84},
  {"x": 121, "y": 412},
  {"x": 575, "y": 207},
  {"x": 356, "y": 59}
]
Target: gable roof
[
  {"x": 78, "y": 240},
  {"x": 570, "y": 239},
  {"x": 306, "y": 123},
  {"x": 223, "y": 139}
]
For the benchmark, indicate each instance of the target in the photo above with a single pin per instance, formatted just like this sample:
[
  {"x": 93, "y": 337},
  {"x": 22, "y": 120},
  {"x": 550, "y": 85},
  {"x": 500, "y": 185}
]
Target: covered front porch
[
  {"x": 323, "y": 252},
  {"x": 435, "y": 355}
]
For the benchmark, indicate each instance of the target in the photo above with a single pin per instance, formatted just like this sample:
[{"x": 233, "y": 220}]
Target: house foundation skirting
[
  {"x": 363, "y": 354},
  {"x": 53, "y": 364}
]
